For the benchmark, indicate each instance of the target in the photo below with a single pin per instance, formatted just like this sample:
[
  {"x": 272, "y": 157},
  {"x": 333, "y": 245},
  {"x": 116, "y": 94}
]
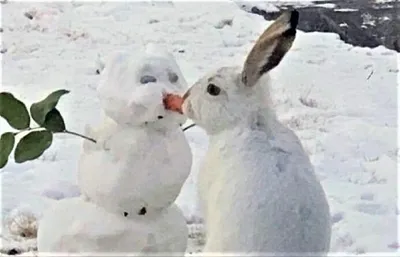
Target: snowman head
[{"x": 132, "y": 86}]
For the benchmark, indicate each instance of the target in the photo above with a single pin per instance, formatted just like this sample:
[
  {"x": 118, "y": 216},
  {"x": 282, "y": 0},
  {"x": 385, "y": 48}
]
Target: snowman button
[
  {"x": 143, "y": 211},
  {"x": 125, "y": 214}
]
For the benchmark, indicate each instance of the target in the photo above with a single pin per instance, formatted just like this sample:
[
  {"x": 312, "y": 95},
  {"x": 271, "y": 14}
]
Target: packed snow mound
[{"x": 83, "y": 227}]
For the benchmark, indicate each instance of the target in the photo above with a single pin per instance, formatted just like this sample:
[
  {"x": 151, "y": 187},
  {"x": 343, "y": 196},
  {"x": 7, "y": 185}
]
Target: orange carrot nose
[{"x": 173, "y": 102}]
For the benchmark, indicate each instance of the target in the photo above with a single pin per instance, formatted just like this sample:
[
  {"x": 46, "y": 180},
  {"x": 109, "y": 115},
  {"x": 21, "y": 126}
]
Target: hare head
[
  {"x": 231, "y": 95},
  {"x": 132, "y": 87}
]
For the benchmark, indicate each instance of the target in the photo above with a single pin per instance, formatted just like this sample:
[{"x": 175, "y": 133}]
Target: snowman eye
[
  {"x": 148, "y": 79},
  {"x": 173, "y": 77}
]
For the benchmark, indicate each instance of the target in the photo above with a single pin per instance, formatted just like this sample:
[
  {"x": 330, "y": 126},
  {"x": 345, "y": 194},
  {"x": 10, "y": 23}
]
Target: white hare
[
  {"x": 257, "y": 187},
  {"x": 131, "y": 177}
]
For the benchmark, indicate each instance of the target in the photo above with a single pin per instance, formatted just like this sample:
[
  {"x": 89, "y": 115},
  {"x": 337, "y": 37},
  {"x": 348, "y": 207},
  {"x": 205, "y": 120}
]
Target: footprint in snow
[
  {"x": 371, "y": 208},
  {"x": 343, "y": 240},
  {"x": 367, "y": 196},
  {"x": 336, "y": 217},
  {"x": 394, "y": 245}
]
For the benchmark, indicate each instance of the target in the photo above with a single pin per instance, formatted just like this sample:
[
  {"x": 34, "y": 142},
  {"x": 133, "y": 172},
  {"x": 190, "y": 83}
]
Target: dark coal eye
[
  {"x": 148, "y": 79},
  {"x": 173, "y": 77},
  {"x": 213, "y": 89}
]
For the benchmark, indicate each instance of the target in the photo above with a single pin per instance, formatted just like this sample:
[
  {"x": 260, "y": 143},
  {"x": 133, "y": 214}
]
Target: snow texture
[
  {"x": 92, "y": 230},
  {"x": 340, "y": 100}
]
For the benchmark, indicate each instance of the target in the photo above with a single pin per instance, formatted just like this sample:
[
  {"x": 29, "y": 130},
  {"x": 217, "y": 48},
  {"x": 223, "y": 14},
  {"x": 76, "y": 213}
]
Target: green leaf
[
  {"x": 32, "y": 145},
  {"x": 40, "y": 109},
  {"x": 7, "y": 141},
  {"x": 14, "y": 111},
  {"x": 54, "y": 121}
]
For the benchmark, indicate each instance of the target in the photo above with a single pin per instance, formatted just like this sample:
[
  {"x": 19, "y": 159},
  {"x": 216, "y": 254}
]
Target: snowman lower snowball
[{"x": 131, "y": 177}]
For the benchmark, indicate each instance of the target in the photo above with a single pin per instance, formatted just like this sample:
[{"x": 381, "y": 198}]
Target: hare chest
[
  {"x": 136, "y": 169},
  {"x": 259, "y": 197}
]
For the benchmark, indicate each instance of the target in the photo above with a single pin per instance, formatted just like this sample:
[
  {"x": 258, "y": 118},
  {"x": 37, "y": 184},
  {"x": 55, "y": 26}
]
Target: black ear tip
[{"x": 294, "y": 19}]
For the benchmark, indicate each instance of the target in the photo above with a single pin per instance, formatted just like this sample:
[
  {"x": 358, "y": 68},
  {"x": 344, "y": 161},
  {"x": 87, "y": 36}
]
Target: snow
[
  {"x": 272, "y": 5},
  {"x": 346, "y": 10},
  {"x": 383, "y": 1},
  {"x": 83, "y": 226},
  {"x": 329, "y": 6},
  {"x": 347, "y": 119}
]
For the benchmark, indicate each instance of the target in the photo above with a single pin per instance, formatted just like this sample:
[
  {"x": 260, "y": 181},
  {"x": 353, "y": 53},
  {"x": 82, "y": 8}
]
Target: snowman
[{"x": 131, "y": 177}]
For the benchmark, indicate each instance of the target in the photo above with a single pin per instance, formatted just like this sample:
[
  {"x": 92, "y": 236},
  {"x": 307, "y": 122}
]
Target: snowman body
[
  {"x": 131, "y": 176},
  {"x": 75, "y": 225},
  {"x": 138, "y": 169}
]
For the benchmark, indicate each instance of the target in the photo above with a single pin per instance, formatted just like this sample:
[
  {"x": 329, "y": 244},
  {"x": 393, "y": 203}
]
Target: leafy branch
[{"x": 38, "y": 139}]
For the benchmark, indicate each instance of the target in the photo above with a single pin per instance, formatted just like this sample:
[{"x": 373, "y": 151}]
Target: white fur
[
  {"x": 257, "y": 187},
  {"x": 140, "y": 162},
  {"x": 78, "y": 226}
]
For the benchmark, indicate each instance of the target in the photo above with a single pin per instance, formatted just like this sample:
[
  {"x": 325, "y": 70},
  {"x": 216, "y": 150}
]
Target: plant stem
[
  {"x": 25, "y": 130},
  {"x": 79, "y": 135}
]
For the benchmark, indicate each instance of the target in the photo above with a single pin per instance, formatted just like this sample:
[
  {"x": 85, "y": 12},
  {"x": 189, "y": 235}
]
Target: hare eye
[
  {"x": 213, "y": 89},
  {"x": 148, "y": 79},
  {"x": 173, "y": 77}
]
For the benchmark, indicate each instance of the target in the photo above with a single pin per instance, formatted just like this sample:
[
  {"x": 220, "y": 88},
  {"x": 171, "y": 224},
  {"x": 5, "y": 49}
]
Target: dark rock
[
  {"x": 222, "y": 23},
  {"x": 151, "y": 21},
  {"x": 362, "y": 23},
  {"x": 28, "y": 15}
]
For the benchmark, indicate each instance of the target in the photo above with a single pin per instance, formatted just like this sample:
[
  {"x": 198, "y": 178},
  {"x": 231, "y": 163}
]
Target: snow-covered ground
[
  {"x": 272, "y": 5},
  {"x": 340, "y": 100}
]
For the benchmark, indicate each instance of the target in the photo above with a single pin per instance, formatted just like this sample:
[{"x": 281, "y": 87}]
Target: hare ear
[{"x": 270, "y": 47}]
